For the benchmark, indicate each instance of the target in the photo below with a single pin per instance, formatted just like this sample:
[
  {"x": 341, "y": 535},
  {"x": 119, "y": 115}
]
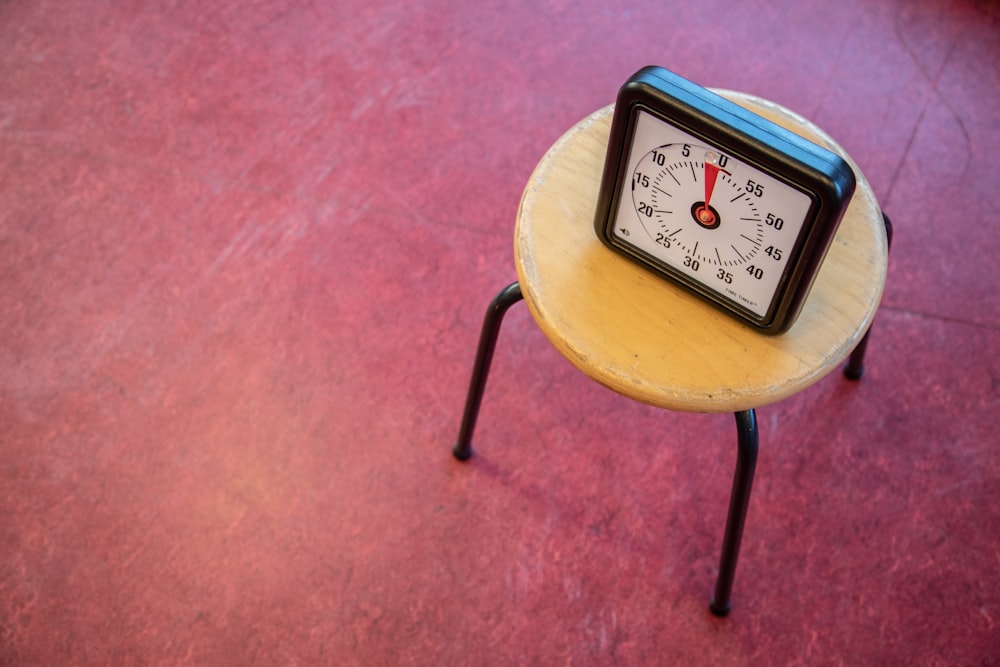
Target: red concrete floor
[{"x": 246, "y": 249}]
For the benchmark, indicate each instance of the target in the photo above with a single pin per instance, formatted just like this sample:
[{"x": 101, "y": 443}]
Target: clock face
[
  {"x": 718, "y": 199},
  {"x": 708, "y": 215}
]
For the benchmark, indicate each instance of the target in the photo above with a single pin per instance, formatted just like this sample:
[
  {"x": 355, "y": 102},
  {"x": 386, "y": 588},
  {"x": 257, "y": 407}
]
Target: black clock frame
[{"x": 821, "y": 174}]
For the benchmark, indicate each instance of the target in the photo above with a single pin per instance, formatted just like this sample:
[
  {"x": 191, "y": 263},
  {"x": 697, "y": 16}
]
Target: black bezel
[{"x": 821, "y": 174}]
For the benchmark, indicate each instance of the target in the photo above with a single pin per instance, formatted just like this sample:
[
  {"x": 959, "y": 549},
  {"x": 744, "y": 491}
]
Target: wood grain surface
[{"x": 643, "y": 337}]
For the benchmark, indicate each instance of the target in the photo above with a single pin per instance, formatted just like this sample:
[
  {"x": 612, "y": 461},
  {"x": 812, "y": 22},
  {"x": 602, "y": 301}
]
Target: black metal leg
[
  {"x": 746, "y": 464},
  {"x": 856, "y": 364},
  {"x": 507, "y": 297}
]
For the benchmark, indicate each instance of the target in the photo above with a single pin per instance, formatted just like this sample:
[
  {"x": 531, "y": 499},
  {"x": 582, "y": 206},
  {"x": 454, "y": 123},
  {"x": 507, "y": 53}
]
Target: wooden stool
[{"x": 649, "y": 340}]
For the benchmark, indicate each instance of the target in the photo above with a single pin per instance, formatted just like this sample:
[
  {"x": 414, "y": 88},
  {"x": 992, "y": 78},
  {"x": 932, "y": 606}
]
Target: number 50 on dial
[{"x": 718, "y": 199}]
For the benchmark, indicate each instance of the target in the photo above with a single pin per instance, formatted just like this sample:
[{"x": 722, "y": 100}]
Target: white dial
[{"x": 722, "y": 223}]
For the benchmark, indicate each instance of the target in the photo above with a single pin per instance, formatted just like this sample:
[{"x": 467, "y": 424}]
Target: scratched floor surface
[{"x": 245, "y": 249}]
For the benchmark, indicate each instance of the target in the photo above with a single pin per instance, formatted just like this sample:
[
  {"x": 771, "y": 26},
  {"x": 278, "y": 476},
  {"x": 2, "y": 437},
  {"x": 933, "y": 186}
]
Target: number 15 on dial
[{"x": 718, "y": 199}]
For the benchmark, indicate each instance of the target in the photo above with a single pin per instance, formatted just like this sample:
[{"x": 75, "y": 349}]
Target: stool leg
[
  {"x": 746, "y": 463},
  {"x": 507, "y": 297},
  {"x": 856, "y": 364}
]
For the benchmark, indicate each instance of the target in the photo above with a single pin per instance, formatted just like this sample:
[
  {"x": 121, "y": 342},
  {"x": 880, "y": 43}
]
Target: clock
[{"x": 717, "y": 199}]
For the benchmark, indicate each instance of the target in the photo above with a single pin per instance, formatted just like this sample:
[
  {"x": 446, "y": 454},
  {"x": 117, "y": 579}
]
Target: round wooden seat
[{"x": 647, "y": 339}]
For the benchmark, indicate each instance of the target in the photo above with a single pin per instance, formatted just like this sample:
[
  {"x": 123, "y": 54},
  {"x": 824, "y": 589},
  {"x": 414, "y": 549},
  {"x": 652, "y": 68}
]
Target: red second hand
[{"x": 712, "y": 170}]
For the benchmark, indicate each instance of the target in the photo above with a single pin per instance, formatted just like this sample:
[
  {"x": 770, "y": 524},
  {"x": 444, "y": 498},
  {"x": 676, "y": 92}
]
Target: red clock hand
[{"x": 712, "y": 170}]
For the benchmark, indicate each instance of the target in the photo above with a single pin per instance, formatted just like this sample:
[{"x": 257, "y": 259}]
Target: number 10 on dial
[{"x": 718, "y": 199}]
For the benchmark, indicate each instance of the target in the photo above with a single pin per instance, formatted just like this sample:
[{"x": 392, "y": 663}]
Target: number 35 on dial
[{"x": 717, "y": 199}]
